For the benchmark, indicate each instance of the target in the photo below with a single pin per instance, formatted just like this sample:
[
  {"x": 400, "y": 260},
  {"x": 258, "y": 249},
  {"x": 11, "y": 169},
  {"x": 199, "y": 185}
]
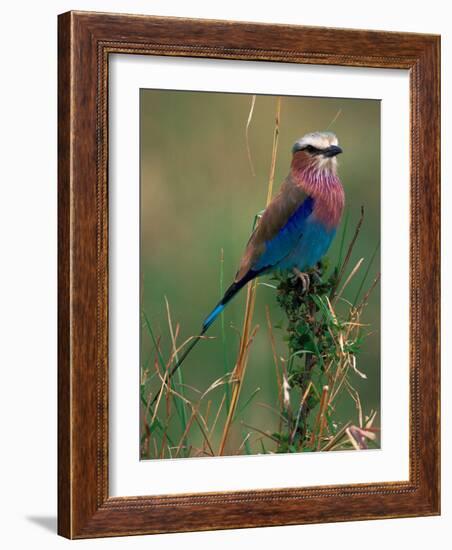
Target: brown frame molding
[{"x": 85, "y": 41}]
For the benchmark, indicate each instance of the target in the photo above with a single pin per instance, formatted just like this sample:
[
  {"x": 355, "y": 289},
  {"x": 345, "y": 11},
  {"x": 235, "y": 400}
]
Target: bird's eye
[{"x": 310, "y": 149}]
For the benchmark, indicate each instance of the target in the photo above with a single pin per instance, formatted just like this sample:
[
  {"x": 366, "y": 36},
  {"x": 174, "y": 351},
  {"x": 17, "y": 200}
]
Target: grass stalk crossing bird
[{"x": 299, "y": 224}]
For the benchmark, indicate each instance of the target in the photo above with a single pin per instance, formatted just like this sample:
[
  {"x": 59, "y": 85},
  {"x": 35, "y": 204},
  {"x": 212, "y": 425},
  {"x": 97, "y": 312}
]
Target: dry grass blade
[
  {"x": 179, "y": 405},
  {"x": 170, "y": 326},
  {"x": 349, "y": 251},
  {"x": 184, "y": 435},
  {"x": 358, "y": 437},
  {"x": 248, "y": 122},
  {"x": 349, "y": 278},
  {"x": 212, "y": 428},
  {"x": 239, "y": 450},
  {"x": 147, "y": 431},
  {"x": 174, "y": 353},
  {"x": 259, "y": 431},
  {"x": 191, "y": 388},
  {"x": 274, "y": 151},
  {"x": 339, "y": 380},
  {"x": 240, "y": 367},
  {"x": 336, "y": 438},
  {"x": 239, "y": 371},
  {"x": 320, "y": 420},
  {"x": 200, "y": 421},
  {"x": 370, "y": 420},
  {"x": 331, "y": 309},
  {"x": 355, "y": 368},
  {"x": 170, "y": 390},
  {"x": 300, "y": 408},
  {"x": 286, "y": 393},
  {"x": 187, "y": 341},
  {"x": 204, "y": 434},
  {"x": 159, "y": 395},
  {"x": 369, "y": 292},
  {"x": 206, "y": 415},
  {"x": 270, "y": 408},
  {"x": 337, "y": 115},
  {"x": 355, "y": 396}
]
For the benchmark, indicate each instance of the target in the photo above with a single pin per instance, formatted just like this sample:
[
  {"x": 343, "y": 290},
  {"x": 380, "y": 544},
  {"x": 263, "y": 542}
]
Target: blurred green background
[{"x": 198, "y": 197}]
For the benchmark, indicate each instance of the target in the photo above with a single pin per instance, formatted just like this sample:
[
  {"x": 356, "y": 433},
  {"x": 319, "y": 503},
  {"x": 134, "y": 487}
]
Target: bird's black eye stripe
[
  {"x": 312, "y": 149},
  {"x": 308, "y": 148}
]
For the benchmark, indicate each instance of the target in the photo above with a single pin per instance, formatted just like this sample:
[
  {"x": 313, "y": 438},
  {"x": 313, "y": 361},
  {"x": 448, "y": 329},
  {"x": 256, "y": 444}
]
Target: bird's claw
[
  {"x": 304, "y": 278},
  {"x": 317, "y": 277}
]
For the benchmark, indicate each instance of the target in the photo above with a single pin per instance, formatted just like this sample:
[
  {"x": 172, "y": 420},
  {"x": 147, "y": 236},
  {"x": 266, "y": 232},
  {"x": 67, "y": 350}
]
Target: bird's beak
[
  {"x": 297, "y": 147},
  {"x": 332, "y": 151}
]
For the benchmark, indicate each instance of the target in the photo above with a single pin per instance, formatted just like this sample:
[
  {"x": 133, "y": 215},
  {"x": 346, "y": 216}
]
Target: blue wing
[{"x": 283, "y": 244}]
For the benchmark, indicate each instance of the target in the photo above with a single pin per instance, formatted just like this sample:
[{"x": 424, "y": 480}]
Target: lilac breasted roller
[{"x": 299, "y": 224}]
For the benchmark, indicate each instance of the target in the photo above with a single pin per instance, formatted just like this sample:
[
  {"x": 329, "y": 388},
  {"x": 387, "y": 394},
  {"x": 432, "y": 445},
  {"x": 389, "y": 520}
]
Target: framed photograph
[{"x": 248, "y": 275}]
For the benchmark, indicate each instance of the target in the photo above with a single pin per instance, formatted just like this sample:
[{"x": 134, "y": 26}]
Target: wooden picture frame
[{"x": 85, "y": 42}]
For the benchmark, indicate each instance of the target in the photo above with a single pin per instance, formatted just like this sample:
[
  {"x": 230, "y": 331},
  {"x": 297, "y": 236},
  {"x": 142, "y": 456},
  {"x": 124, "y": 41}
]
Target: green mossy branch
[{"x": 322, "y": 349}]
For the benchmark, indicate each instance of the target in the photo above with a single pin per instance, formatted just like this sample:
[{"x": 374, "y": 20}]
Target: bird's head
[{"x": 317, "y": 150}]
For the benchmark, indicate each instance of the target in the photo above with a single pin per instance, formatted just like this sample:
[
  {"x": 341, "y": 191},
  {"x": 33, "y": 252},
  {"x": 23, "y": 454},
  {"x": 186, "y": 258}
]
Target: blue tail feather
[
  {"x": 211, "y": 318},
  {"x": 228, "y": 295}
]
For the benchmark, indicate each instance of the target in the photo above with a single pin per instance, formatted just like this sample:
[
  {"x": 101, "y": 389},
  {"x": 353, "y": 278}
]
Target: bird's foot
[
  {"x": 317, "y": 277},
  {"x": 304, "y": 278}
]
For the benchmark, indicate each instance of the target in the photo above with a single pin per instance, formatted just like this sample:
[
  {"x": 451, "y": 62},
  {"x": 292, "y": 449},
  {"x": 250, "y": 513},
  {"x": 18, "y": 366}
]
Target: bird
[{"x": 298, "y": 225}]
